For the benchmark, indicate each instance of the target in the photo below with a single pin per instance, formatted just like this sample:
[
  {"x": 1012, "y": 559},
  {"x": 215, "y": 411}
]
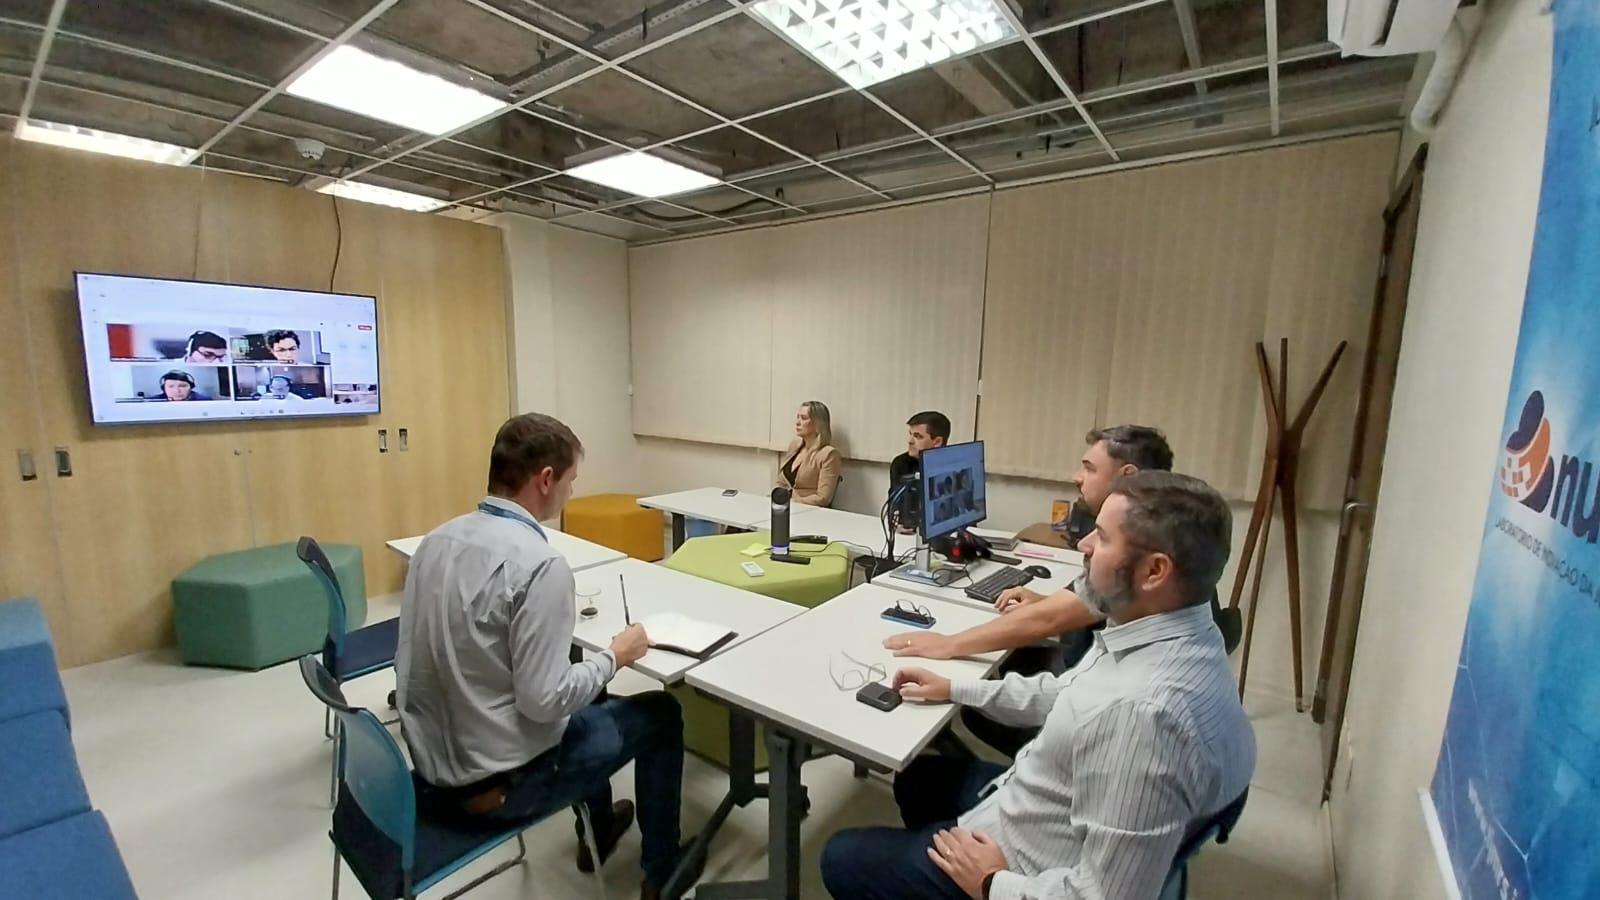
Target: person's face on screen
[
  {"x": 1095, "y": 473},
  {"x": 278, "y": 386},
  {"x": 176, "y": 389},
  {"x": 286, "y": 350},
  {"x": 803, "y": 425},
  {"x": 918, "y": 439},
  {"x": 207, "y": 355}
]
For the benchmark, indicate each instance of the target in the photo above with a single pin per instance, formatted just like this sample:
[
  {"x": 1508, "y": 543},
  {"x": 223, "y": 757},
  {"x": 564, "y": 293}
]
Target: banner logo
[{"x": 1525, "y": 473}]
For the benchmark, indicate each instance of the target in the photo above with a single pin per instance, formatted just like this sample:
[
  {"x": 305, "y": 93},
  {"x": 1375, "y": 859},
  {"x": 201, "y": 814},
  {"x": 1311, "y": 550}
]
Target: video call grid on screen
[
  {"x": 160, "y": 350},
  {"x": 954, "y": 495}
]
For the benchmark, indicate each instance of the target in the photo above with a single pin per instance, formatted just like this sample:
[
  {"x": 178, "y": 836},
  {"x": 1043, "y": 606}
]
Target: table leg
[
  {"x": 785, "y": 807},
  {"x": 680, "y": 530}
]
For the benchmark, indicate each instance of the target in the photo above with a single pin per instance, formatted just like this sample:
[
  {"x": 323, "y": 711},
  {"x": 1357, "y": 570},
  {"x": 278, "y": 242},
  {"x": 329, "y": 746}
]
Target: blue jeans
[
  {"x": 893, "y": 863},
  {"x": 646, "y": 729}
]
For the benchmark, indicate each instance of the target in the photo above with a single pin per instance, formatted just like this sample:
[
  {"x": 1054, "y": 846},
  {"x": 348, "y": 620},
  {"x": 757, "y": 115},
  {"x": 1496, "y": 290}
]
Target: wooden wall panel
[
  {"x": 29, "y": 565},
  {"x": 145, "y": 502}
]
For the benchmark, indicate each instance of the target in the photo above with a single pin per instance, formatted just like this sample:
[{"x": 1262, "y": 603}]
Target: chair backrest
[
  {"x": 311, "y": 554},
  {"x": 322, "y": 683},
  {"x": 379, "y": 781},
  {"x": 1220, "y": 827}
]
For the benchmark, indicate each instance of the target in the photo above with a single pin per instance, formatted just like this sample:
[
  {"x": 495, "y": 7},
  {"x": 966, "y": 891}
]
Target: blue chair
[
  {"x": 347, "y": 654},
  {"x": 394, "y": 848},
  {"x": 1220, "y": 827}
]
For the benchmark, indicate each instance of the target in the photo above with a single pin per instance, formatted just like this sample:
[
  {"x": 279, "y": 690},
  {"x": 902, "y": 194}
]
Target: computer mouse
[{"x": 1037, "y": 571}]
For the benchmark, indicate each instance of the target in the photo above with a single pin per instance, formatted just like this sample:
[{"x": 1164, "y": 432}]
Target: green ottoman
[
  {"x": 718, "y": 558},
  {"x": 256, "y": 608}
]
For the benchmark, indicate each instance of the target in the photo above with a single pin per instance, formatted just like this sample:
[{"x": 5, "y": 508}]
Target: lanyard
[{"x": 504, "y": 513}]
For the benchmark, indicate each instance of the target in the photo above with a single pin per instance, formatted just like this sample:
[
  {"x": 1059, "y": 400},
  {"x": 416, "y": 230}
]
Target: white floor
[{"x": 215, "y": 784}]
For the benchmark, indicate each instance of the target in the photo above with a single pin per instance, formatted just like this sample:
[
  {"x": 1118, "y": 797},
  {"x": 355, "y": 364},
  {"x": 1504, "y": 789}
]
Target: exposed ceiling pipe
[{"x": 1442, "y": 76}]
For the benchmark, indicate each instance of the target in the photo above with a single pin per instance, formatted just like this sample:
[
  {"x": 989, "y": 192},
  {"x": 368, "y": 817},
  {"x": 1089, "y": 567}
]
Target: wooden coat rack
[{"x": 1279, "y": 470}]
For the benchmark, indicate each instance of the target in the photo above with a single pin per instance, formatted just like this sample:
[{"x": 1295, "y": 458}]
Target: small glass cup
[{"x": 588, "y": 599}]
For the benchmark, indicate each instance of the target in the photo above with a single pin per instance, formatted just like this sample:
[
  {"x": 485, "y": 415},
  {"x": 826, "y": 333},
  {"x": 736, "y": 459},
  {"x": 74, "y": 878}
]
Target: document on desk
[{"x": 680, "y": 634}]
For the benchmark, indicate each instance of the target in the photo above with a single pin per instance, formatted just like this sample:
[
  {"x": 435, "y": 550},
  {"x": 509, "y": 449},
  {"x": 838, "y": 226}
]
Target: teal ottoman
[{"x": 256, "y": 608}]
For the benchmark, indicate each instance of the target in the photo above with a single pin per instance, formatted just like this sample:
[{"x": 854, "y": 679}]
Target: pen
[{"x": 626, "y": 618}]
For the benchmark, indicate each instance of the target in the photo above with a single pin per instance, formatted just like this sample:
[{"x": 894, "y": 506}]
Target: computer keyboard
[{"x": 993, "y": 585}]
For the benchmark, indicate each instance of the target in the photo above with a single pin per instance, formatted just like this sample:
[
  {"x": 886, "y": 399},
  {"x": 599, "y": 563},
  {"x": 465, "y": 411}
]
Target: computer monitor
[{"x": 953, "y": 493}]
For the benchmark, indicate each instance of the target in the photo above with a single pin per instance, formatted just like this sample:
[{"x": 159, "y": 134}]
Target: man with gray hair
[{"x": 1141, "y": 744}]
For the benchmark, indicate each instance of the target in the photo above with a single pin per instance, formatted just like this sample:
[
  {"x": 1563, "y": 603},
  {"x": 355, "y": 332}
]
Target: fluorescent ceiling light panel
[
  {"x": 642, "y": 174},
  {"x": 357, "y": 81},
  {"x": 96, "y": 141},
  {"x": 371, "y": 193},
  {"x": 868, "y": 41}
]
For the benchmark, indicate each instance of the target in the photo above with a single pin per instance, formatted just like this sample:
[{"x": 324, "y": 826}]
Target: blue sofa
[{"x": 53, "y": 844}]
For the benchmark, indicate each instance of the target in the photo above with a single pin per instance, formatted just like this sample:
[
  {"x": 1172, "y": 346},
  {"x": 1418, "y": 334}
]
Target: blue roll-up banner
[{"x": 1516, "y": 792}]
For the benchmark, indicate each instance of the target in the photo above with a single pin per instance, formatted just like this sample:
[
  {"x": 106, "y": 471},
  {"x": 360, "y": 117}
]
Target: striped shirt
[
  {"x": 1142, "y": 742},
  {"x": 483, "y": 668}
]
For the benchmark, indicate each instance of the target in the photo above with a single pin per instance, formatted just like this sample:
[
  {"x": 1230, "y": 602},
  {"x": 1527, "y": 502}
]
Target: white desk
[
  {"x": 1061, "y": 575},
  {"x": 656, "y": 589},
  {"x": 864, "y": 532},
  {"x": 782, "y": 678},
  {"x": 744, "y": 509},
  {"x": 580, "y": 554}
]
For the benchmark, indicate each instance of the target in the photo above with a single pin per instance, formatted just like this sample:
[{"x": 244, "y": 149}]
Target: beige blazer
[{"x": 816, "y": 473}]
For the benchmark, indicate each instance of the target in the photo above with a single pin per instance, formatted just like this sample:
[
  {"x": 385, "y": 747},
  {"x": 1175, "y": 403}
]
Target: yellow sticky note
[{"x": 754, "y": 550}]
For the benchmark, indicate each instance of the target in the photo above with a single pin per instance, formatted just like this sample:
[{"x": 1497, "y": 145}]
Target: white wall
[
  {"x": 1471, "y": 265},
  {"x": 569, "y": 339}
]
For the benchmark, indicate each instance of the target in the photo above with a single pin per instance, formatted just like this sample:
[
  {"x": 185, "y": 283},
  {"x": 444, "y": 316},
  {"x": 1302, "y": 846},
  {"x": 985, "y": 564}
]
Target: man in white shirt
[
  {"x": 500, "y": 720},
  {"x": 1142, "y": 742}
]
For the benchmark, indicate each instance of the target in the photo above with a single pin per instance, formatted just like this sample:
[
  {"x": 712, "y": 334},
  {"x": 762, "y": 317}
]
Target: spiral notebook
[{"x": 680, "y": 634}]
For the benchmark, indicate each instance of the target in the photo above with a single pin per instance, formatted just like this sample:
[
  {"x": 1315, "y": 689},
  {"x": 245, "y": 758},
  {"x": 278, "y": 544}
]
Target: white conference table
[
  {"x": 1064, "y": 566},
  {"x": 782, "y": 679},
  {"x": 653, "y": 590},
  {"x": 580, "y": 554},
  {"x": 741, "y": 509},
  {"x": 748, "y": 509},
  {"x": 863, "y": 533}
]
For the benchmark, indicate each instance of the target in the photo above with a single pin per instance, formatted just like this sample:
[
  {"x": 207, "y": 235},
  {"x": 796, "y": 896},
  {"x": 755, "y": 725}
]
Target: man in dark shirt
[{"x": 924, "y": 431}]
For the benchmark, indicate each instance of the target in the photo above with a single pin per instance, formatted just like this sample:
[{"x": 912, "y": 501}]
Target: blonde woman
[{"x": 810, "y": 466}]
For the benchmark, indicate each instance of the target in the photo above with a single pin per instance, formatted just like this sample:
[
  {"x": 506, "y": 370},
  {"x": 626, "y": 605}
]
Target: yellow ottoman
[{"x": 616, "y": 521}]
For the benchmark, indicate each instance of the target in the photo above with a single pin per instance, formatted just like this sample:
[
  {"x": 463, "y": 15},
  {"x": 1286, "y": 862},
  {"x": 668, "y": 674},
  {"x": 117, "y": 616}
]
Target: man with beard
[{"x": 1140, "y": 744}]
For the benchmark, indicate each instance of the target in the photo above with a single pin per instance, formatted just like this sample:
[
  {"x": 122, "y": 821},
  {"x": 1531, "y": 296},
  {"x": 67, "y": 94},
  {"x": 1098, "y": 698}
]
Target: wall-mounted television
[{"x": 164, "y": 350}]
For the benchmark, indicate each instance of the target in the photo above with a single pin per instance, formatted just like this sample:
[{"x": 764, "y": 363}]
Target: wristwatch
[{"x": 987, "y": 881}]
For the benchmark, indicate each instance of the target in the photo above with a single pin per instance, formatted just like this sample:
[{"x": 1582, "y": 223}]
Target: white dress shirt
[
  {"x": 1143, "y": 741},
  {"x": 485, "y": 678}
]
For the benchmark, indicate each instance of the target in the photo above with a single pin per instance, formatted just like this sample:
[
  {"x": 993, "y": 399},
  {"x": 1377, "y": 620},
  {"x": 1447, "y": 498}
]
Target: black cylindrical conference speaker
[{"x": 780, "y": 521}]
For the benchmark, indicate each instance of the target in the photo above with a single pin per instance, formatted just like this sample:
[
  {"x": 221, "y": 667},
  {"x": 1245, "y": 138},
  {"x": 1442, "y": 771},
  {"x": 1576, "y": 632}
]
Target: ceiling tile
[
  {"x": 831, "y": 125},
  {"x": 623, "y": 110},
  {"x": 1000, "y": 80},
  {"x": 731, "y": 151},
  {"x": 737, "y": 68},
  {"x": 467, "y": 36},
  {"x": 1006, "y": 143},
  {"x": 529, "y": 139},
  {"x": 196, "y": 31}
]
